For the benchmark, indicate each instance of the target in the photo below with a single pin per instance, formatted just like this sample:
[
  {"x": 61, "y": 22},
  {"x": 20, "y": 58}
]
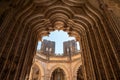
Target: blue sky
[{"x": 59, "y": 37}]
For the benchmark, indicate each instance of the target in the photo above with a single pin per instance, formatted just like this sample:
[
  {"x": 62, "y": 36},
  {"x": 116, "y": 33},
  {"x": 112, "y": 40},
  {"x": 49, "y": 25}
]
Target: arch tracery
[{"x": 27, "y": 21}]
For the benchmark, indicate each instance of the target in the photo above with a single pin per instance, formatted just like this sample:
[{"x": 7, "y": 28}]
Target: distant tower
[
  {"x": 70, "y": 47},
  {"x": 48, "y": 47}
]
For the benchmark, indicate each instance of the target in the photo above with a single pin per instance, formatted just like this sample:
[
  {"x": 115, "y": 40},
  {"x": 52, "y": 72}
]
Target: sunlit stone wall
[{"x": 47, "y": 66}]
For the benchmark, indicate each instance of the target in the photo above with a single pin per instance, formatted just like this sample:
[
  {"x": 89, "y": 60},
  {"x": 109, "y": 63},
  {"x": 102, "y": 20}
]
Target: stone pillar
[
  {"x": 87, "y": 59},
  {"x": 111, "y": 42},
  {"x": 17, "y": 49}
]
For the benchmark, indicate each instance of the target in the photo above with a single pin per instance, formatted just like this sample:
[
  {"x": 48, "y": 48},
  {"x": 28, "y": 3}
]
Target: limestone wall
[{"x": 70, "y": 67}]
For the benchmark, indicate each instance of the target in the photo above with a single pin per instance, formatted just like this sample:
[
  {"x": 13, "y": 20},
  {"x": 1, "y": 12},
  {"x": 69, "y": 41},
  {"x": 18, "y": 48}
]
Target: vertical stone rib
[
  {"x": 23, "y": 70},
  {"x": 8, "y": 14},
  {"x": 33, "y": 53},
  {"x": 83, "y": 57},
  {"x": 6, "y": 52},
  {"x": 99, "y": 54},
  {"x": 6, "y": 30},
  {"x": 114, "y": 43},
  {"x": 21, "y": 53},
  {"x": 111, "y": 43},
  {"x": 90, "y": 60},
  {"x": 115, "y": 24},
  {"x": 103, "y": 51},
  {"x": 30, "y": 53},
  {"x": 117, "y": 31},
  {"x": 85, "y": 63},
  {"x": 106, "y": 52},
  {"x": 3, "y": 17},
  {"x": 93, "y": 48},
  {"x": 90, "y": 75},
  {"x": 14, "y": 52}
]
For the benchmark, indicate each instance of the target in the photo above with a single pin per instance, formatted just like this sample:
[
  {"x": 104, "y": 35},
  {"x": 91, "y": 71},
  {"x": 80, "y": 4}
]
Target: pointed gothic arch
[
  {"x": 66, "y": 72},
  {"x": 25, "y": 23},
  {"x": 40, "y": 72},
  {"x": 58, "y": 74}
]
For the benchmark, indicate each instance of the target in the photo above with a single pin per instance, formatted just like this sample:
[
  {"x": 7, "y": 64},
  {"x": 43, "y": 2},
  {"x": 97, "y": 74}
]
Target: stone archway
[
  {"x": 26, "y": 21},
  {"x": 58, "y": 74},
  {"x": 61, "y": 67},
  {"x": 41, "y": 71}
]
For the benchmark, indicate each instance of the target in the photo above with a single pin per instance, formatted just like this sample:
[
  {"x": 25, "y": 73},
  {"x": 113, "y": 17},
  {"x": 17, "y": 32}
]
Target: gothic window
[
  {"x": 58, "y": 74},
  {"x": 50, "y": 49},
  {"x": 71, "y": 48},
  {"x": 67, "y": 50},
  {"x": 46, "y": 49}
]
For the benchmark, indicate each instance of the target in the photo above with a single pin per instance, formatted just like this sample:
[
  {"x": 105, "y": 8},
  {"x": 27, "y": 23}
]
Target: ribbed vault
[{"x": 25, "y": 25}]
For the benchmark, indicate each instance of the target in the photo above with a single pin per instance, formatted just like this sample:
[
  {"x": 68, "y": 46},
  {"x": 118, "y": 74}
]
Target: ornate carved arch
[
  {"x": 62, "y": 67},
  {"x": 26, "y": 21}
]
